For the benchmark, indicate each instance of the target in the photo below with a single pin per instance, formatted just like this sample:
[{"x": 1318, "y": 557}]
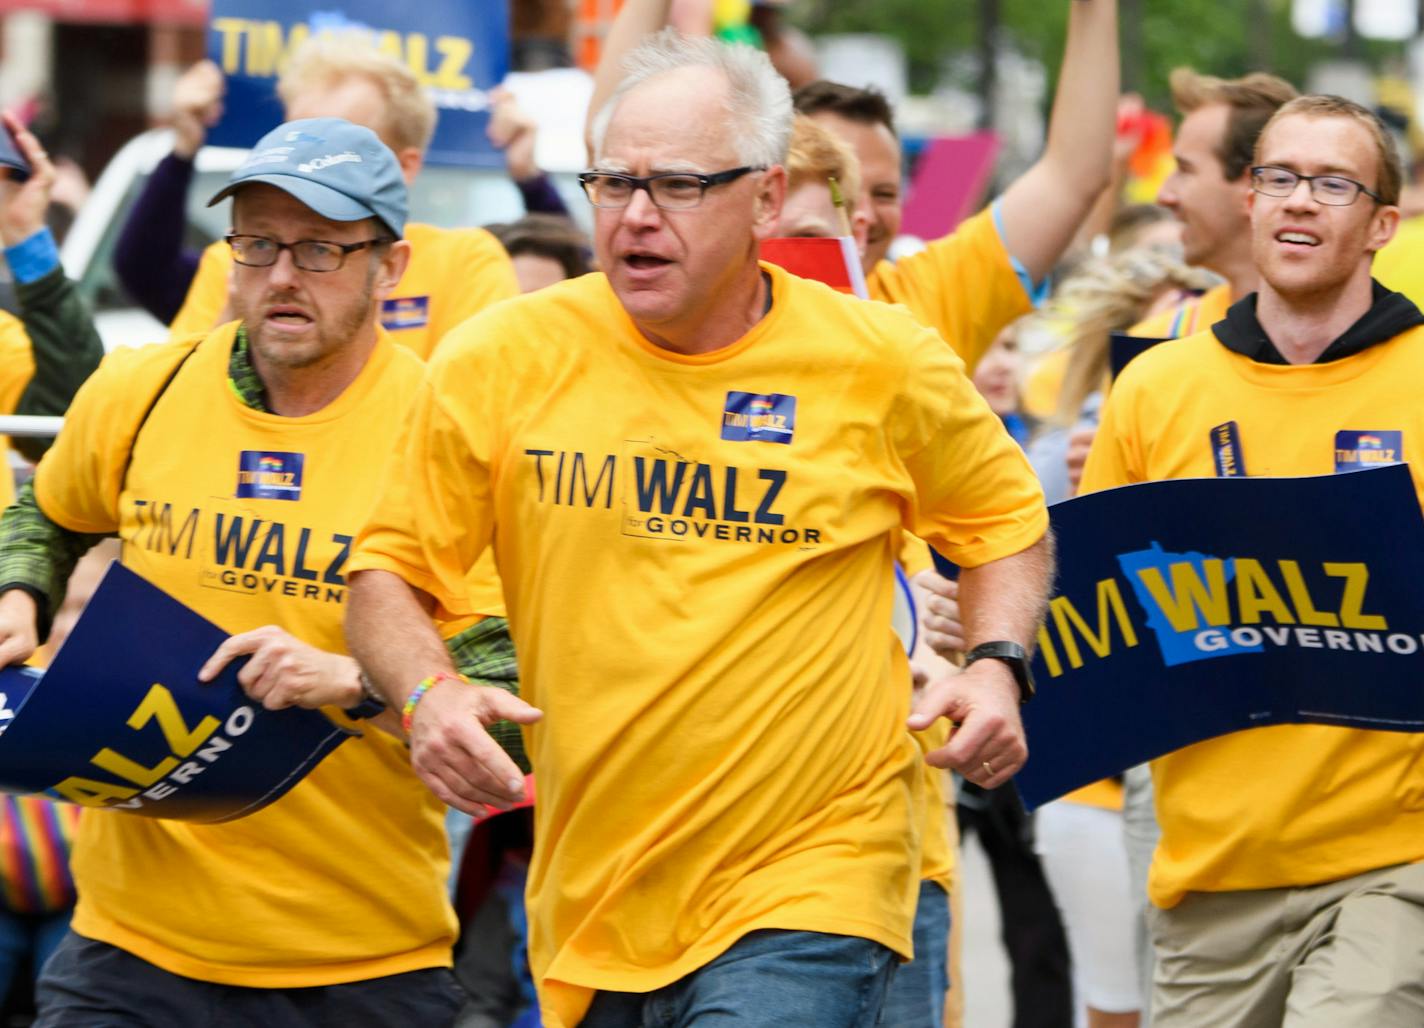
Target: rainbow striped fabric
[{"x": 35, "y": 837}]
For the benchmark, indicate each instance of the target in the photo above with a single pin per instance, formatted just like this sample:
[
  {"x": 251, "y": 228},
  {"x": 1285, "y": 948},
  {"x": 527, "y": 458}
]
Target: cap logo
[
  {"x": 271, "y": 155},
  {"x": 298, "y": 136},
  {"x": 317, "y": 163}
]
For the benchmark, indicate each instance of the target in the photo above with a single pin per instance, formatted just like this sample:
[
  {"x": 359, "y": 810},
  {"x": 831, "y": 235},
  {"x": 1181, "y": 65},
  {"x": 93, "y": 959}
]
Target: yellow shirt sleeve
[
  {"x": 207, "y": 296},
  {"x": 435, "y": 516},
  {"x": 963, "y": 286},
  {"x": 914, "y": 555},
  {"x": 479, "y": 273},
  {"x": 1399, "y": 266},
  {"x": 978, "y": 499}
]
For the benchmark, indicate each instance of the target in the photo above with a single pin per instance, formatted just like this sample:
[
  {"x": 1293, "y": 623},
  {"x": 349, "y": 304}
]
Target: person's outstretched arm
[
  {"x": 637, "y": 20},
  {"x": 1041, "y": 211},
  {"x": 149, "y": 257},
  {"x": 63, "y": 345}
]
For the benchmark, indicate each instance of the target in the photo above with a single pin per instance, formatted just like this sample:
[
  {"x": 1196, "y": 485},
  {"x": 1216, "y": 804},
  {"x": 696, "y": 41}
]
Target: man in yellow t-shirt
[
  {"x": 694, "y": 473},
  {"x": 453, "y": 273},
  {"x": 329, "y": 906},
  {"x": 993, "y": 268},
  {"x": 1288, "y": 881}
]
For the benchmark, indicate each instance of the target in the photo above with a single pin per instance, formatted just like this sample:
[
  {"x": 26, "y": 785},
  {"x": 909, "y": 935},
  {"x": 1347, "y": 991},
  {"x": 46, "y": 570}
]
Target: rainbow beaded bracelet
[{"x": 418, "y": 693}]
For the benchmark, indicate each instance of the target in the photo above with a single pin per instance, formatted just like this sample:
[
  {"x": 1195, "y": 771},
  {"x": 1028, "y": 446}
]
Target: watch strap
[{"x": 1012, "y": 654}]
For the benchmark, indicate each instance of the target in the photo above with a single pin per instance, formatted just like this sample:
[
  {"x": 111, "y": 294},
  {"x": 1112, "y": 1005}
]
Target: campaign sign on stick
[
  {"x": 120, "y": 720},
  {"x": 1187, "y": 609},
  {"x": 458, "y": 50}
]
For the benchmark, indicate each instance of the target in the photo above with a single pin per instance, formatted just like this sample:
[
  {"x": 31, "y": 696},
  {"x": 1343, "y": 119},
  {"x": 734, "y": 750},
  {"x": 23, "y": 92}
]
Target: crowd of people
[{"x": 610, "y": 525}]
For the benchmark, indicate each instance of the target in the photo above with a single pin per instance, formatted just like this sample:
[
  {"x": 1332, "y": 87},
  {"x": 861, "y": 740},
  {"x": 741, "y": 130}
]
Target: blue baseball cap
[{"x": 340, "y": 170}]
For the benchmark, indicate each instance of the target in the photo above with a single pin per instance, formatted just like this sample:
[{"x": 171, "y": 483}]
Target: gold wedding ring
[{"x": 988, "y": 770}]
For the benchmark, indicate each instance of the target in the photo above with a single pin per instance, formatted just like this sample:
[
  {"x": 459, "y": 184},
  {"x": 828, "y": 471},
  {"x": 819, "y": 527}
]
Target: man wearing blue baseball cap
[{"x": 258, "y": 448}]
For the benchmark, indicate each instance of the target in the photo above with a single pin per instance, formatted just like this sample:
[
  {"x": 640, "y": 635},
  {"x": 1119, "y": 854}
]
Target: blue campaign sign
[
  {"x": 1188, "y": 609},
  {"x": 1123, "y": 347},
  {"x": 458, "y": 49},
  {"x": 120, "y": 721}
]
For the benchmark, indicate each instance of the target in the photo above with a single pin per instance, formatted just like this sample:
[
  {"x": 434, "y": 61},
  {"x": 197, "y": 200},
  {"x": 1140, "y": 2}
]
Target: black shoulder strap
[{"x": 133, "y": 443}]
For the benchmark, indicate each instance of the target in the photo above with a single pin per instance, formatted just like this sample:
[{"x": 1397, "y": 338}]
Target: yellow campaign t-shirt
[
  {"x": 342, "y": 879},
  {"x": 1400, "y": 265},
  {"x": 453, "y": 273},
  {"x": 17, "y": 367},
  {"x": 1287, "y": 805},
  {"x": 964, "y": 286},
  {"x": 1045, "y": 381},
  {"x": 696, "y": 553},
  {"x": 1188, "y": 317}
]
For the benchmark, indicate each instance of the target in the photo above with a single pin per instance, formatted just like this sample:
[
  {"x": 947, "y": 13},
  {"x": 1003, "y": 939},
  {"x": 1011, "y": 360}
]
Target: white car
[{"x": 446, "y": 196}]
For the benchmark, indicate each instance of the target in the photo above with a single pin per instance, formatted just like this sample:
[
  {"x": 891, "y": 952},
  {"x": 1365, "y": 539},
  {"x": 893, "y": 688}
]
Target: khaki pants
[{"x": 1339, "y": 955}]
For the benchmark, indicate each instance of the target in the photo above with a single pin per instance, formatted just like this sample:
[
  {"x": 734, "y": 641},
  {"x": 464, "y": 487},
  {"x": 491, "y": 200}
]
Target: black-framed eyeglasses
[
  {"x": 672, "y": 191},
  {"x": 1331, "y": 190},
  {"x": 307, "y": 254}
]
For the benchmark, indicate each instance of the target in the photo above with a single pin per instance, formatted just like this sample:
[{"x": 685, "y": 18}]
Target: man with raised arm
[
  {"x": 694, "y": 470},
  {"x": 994, "y": 267}
]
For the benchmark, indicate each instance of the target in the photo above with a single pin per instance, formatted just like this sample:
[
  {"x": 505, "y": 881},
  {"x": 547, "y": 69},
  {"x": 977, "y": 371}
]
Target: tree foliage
[{"x": 1221, "y": 37}]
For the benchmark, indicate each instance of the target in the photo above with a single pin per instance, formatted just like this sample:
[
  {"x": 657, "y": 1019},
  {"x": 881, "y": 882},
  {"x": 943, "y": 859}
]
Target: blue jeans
[
  {"x": 769, "y": 977},
  {"x": 916, "y": 998}
]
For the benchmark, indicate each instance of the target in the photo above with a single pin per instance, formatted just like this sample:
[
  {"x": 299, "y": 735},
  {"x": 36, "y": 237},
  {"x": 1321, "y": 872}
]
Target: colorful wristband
[{"x": 418, "y": 693}]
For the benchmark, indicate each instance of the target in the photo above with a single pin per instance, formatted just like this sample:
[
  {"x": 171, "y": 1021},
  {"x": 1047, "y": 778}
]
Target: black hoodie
[{"x": 1390, "y": 314}]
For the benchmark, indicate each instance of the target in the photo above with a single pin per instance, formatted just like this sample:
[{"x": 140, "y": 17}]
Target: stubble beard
[{"x": 331, "y": 337}]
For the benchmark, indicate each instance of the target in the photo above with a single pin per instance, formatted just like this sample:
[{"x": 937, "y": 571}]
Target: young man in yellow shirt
[
  {"x": 329, "y": 906},
  {"x": 1288, "y": 884},
  {"x": 694, "y": 472},
  {"x": 993, "y": 268},
  {"x": 453, "y": 273}
]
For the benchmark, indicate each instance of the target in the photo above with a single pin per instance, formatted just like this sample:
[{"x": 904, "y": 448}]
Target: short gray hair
[{"x": 759, "y": 99}]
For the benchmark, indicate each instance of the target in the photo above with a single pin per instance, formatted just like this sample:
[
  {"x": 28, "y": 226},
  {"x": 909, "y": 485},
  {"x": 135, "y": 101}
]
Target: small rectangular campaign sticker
[
  {"x": 759, "y": 417},
  {"x": 405, "y": 312},
  {"x": 268, "y": 475},
  {"x": 1226, "y": 449},
  {"x": 1356, "y": 450}
]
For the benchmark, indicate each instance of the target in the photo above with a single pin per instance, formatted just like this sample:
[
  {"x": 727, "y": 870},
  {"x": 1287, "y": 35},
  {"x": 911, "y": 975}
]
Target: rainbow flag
[{"x": 35, "y": 839}]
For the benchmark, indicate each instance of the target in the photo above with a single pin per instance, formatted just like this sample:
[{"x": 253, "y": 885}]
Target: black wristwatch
[
  {"x": 371, "y": 704},
  {"x": 1012, "y": 654}
]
